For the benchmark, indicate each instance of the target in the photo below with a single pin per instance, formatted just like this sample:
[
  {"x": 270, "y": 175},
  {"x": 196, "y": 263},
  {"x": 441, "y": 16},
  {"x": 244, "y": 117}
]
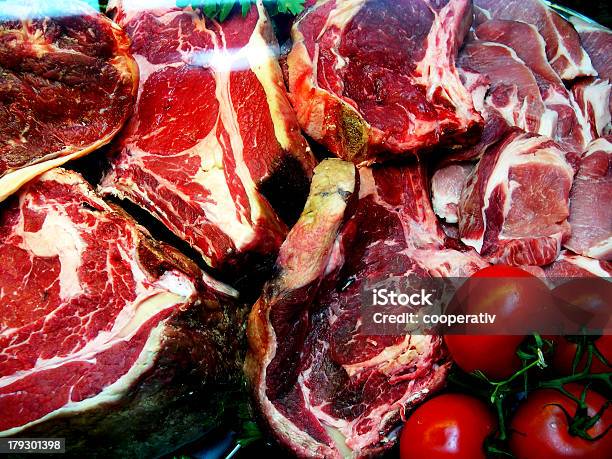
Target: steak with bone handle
[{"x": 324, "y": 387}]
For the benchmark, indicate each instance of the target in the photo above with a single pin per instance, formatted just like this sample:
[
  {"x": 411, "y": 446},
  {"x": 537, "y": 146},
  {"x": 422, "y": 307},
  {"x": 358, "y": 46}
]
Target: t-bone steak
[
  {"x": 515, "y": 205},
  {"x": 213, "y": 149},
  {"x": 67, "y": 85},
  {"x": 563, "y": 47},
  {"x": 102, "y": 329},
  {"x": 590, "y": 209},
  {"x": 373, "y": 78},
  {"x": 324, "y": 387}
]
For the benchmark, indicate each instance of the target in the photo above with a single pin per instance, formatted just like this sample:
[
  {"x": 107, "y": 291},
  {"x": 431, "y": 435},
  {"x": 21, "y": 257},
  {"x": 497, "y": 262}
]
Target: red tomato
[
  {"x": 494, "y": 355},
  {"x": 447, "y": 426},
  {"x": 502, "y": 271},
  {"x": 565, "y": 351},
  {"x": 584, "y": 302},
  {"x": 540, "y": 428},
  {"x": 512, "y": 303}
]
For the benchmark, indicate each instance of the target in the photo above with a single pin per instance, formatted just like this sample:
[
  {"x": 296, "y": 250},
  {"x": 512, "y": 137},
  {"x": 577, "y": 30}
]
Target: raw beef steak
[
  {"x": 590, "y": 209},
  {"x": 594, "y": 97},
  {"x": 67, "y": 84},
  {"x": 515, "y": 205},
  {"x": 102, "y": 329},
  {"x": 563, "y": 48},
  {"x": 569, "y": 264},
  {"x": 513, "y": 95},
  {"x": 570, "y": 128},
  {"x": 324, "y": 387},
  {"x": 213, "y": 149},
  {"x": 377, "y": 77},
  {"x": 597, "y": 41}
]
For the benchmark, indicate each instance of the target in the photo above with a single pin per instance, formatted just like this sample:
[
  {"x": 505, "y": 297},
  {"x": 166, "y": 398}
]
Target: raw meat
[
  {"x": 563, "y": 48},
  {"x": 371, "y": 79},
  {"x": 590, "y": 210},
  {"x": 570, "y": 127},
  {"x": 569, "y": 264},
  {"x": 594, "y": 97},
  {"x": 325, "y": 388},
  {"x": 446, "y": 186},
  {"x": 513, "y": 94},
  {"x": 495, "y": 127},
  {"x": 67, "y": 84},
  {"x": 515, "y": 205},
  {"x": 103, "y": 331},
  {"x": 597, "y": 41},
  {"x": 213, "y": 150}
]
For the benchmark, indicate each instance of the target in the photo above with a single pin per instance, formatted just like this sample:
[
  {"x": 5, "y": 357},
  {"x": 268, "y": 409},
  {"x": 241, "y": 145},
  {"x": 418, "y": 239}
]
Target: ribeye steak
[
  {"x": 213, "y": 149},
  {"x": 370, "y": 78},
  {"x": 67, "y": 85},
  {"x": 325, "y": 388},
  {"x": 103, "y": 330}
]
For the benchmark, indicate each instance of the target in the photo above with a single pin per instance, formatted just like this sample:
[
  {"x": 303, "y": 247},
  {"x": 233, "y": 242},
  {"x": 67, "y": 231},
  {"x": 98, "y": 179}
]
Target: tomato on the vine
[
  {"x": 512, "y": 302},
  {"x": 584, "y": 302},
  {"x": 565, "y": 351},
  {"x": 447, "y": 426},
  {"x": 542, "y": 427}
]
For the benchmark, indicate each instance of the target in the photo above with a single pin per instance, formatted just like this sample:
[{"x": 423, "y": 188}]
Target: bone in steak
[
  {"x": 67, "y": 84},
  {"x": 324, "y": 387},
  {"x": 213, "y": 149},
  {"x": 102, "y": 329},
  {"x": 570, "y": 128},
  {"x": 371, "y": 78},
  {"x": 515, "y": 205},
  {"x": 590, "y": 210},
  {"x": 563, "y": 48}
]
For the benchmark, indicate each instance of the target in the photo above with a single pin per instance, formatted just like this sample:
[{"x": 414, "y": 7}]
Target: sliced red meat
[
  {"x": 513, "y": 90},
  {"x": 594, "y": 97},
  {"x": 515, "y": 205},
  {"x": 569, "y": 264},
  {"x": 590, "y": 210},
  {"x": 563, "y": 48},
  {"x": 100, "y": 324},
  {"x": 213, "y": 149},
  {"x": 67, "y": 85},
  {"x": 375, "y": 78},
  {"x": 597, "y": 41},
  {"x": 446, "y": 186},
  {"x": 570, "y": 128},
  {"x": 324, "y": 387}
]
